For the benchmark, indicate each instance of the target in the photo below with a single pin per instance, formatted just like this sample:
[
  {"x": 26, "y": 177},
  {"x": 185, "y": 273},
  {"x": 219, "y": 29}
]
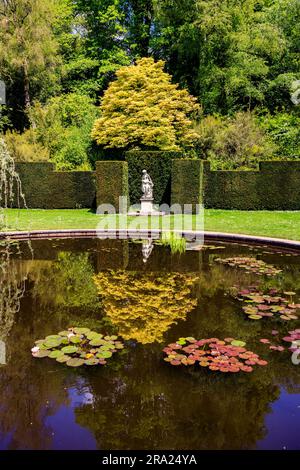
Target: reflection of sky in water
[
  {"x": 5, "y": 440},
  {"x": 66, "y": 433},
  {"x": 283, "y": 424}
]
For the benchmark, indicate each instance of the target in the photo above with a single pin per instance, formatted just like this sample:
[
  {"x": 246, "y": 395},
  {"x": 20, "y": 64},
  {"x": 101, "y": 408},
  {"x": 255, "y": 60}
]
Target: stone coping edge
[{"x": 144, "y": 233}]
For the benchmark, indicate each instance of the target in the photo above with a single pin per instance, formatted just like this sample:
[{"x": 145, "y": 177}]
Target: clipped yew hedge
[
  {"x": 158, "y": 165},
  {"x": 187, "y": 182},
  {"x": 112, "y": 182},
  {"x": 275, "y": 186},
  {"x": 45, "y": 188}
]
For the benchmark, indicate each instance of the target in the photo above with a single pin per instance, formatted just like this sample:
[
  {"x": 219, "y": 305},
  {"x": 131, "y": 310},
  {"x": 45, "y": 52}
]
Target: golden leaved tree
[{"x": 143, "y": 109}]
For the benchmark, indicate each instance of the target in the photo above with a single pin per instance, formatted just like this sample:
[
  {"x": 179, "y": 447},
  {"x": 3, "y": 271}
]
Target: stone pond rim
[{"x": 144, "y": 233}]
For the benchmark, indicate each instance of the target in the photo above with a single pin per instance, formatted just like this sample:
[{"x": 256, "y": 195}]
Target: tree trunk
[{"x": 26, "y": 88}]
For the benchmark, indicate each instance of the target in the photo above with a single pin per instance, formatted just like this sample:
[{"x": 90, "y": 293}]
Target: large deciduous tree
[
  {"x": 144, "y": 109},
  {"x": 28, "y": 48},
  {"x": 227, "y": 52}
]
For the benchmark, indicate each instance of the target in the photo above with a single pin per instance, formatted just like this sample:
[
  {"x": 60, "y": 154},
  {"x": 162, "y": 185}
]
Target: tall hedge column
[
  {"x": 187, "y": 182},
  {"x": 111, "y": 183}
]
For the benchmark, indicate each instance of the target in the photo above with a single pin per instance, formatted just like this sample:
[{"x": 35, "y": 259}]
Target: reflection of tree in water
[
  {"x": 32, "y": 390},
  {"x": 144, "y": 305},
  {"x": 142, "y": 402},
  {"x": 23, "y": 404},
  {"x": 13, "y": 277},
  {"x": 153, "y": 406},
  {"x": 67, "y": 282}
]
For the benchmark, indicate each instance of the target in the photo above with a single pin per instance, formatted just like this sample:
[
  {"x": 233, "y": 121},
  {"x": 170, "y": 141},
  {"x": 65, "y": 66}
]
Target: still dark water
[{"x": 138, "y": 401}]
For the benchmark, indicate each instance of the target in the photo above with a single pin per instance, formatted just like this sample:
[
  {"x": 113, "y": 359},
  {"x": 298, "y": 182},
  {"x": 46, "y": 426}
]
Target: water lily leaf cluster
[
  {"x": 260, "y": 305},
  {"x": 225, "y": 356},
  {"x": 77, "y": 347},
  {"x": 250, "y": 265},
  {"x": 293, "y": 337}
]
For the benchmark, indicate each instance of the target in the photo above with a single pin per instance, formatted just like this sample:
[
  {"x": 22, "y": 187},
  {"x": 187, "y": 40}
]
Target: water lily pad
[
  {"x": 104, "y": 355},
  {"x": 41, "y": 353},
  {"x": 91, "y": 362},
  {"x": 81, "y": 331},
  {"x": 53, "y": 337},
  {"x": 75, "y": 362},
  {"x": 238, "y": 343},
  {"x": 93, "y": 335},
  {"x": 55, "y": 354},
  {"x": 75, "y": 339},
  {"x": 73, "y": 347},
  {"x": 97, "y": 342},
  {"x": 52, "y": 343},
  {"x": 69, "y": 349},
  {"x": 214, "y": 354},
  {"x": 266, "y": 305},
  {"x": 62, "y": 359}
]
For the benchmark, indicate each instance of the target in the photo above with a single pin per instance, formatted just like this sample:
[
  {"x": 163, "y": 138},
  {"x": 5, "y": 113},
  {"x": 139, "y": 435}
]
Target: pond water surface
[{"x": 138, "y": 401}]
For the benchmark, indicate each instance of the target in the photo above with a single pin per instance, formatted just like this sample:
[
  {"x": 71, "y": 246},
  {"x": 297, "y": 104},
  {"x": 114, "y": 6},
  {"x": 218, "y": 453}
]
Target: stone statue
[{"x": 147, "y": 186}]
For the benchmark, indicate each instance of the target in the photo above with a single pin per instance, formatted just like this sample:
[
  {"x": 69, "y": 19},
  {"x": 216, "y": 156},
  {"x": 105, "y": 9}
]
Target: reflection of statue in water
[
  {"x": 147, "y": 186},
  {"x": 147, "y": 249}
]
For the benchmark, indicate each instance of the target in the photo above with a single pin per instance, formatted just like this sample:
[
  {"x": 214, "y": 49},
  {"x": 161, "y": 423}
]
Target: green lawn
[{"x": 266, "y": 223}]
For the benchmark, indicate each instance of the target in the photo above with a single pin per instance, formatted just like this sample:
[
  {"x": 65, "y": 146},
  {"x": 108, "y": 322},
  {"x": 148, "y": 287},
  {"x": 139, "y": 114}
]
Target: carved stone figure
[{"x": 147, "y": 186}]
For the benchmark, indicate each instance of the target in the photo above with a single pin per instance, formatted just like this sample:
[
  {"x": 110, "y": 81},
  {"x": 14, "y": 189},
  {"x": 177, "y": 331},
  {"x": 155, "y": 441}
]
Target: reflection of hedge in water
[
  {"x": 143, "y": 306},
  {"x": 150, "y": 406},
  {"x": 67, "y": 282}
]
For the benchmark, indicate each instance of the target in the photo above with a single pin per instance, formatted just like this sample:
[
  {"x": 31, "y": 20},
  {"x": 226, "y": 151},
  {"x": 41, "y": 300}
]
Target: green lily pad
[
  {"x": 76, "y": 349},
  {"x": 55, "y": 354},
  {"x": 69, "y": 349},
  {"x": 104, "y": 354},
  {"x": 53, "y": 337},
  {"x": 97, "y": 342},
  {"x": 39, "y": 341},
  {"x": 93, "y": 335},
  {"x": 75, "y": 362},
  {"x": 82, "y": 331},
  {"x": 91, "y": 362},
  {"x": 235, "y": 342},
  {"x": 75, "y": 339},
  {"x": 108, "y": 346},
  {"x": 53, "y": 343},
  {"x": 64, "y": 333},
  {"x": 182, "y": 342},
  {"x": 63, "y": 358}
]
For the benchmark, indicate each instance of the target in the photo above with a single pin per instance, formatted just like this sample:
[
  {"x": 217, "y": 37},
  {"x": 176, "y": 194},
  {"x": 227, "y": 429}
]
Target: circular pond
[{"x": 204, "y": 345}]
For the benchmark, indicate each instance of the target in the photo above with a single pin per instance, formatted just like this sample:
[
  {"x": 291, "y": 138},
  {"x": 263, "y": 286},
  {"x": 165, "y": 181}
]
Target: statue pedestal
[{"x": 146, "y": 208}]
